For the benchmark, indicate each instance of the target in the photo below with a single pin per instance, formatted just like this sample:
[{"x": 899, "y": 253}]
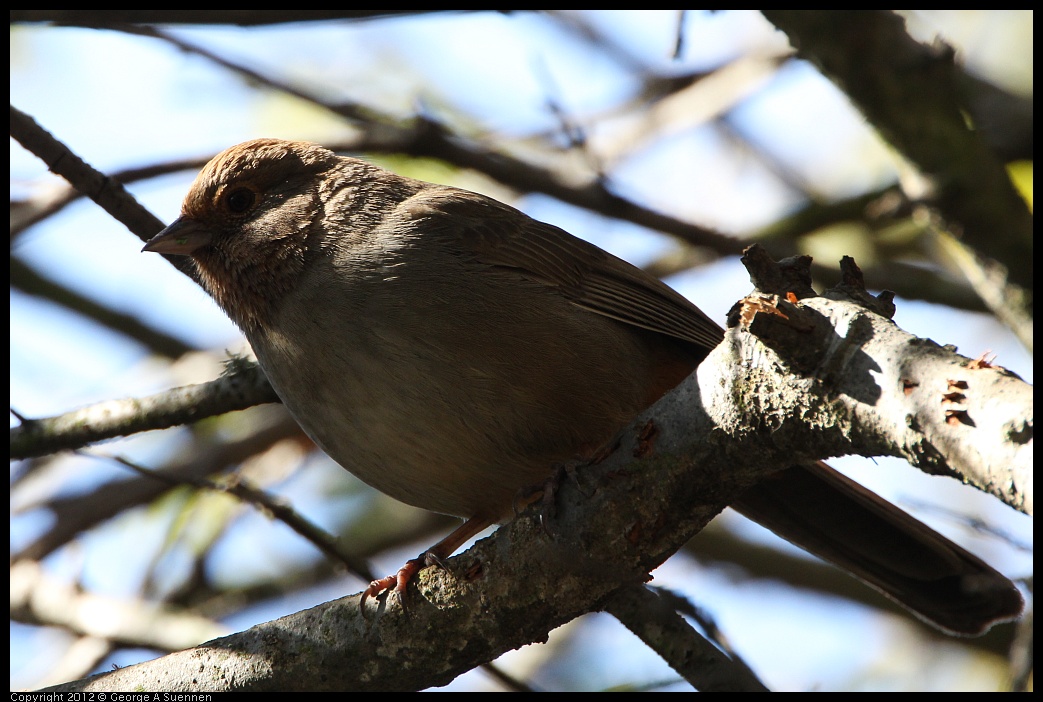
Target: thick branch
[
  {"x": 515, "y": 587},
  {"x": 909, "y": 92},
  {"x": 869, "y": 387}
]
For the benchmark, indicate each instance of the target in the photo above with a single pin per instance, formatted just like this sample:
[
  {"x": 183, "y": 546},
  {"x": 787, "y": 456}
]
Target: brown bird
[{"x": 449, "y": 350}]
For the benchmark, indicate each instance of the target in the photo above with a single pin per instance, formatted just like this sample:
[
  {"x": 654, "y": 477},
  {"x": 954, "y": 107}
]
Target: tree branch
[
  {"x": 910, "y": 93},
  {"x": 706, "y": 442}
]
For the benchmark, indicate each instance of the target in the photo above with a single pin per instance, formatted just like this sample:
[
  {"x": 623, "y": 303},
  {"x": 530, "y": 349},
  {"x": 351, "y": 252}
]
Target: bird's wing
[{"x": 501, "y": 237}]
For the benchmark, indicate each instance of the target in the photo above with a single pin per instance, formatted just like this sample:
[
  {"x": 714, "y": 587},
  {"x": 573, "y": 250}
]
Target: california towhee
[{"x": 449, "y": 350}]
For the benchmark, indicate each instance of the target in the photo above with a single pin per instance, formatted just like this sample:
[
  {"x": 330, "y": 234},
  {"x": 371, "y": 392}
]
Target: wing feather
[{"x": 501, "y": 237}]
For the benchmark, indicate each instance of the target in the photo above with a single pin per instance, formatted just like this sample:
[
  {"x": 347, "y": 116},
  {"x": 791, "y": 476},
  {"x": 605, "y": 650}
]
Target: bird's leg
[{"x": 435, "y": 555}]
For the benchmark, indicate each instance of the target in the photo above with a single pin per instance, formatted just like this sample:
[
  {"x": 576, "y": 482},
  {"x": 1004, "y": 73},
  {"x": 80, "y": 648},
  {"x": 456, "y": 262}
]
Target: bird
[{"x": 449, "y": 350}]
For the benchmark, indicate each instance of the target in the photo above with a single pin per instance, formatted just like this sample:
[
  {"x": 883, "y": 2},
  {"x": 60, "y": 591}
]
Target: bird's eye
[{"x": 240, "y": 200}]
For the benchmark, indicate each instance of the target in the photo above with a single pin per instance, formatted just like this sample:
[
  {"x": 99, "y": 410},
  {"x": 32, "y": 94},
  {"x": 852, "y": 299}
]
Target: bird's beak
[{"x": 184, "y": 237}]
